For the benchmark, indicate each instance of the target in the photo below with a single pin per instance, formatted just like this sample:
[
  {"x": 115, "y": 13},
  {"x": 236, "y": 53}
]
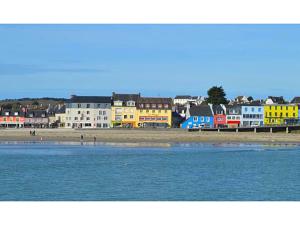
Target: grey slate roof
[
  {"x": 183, "y": 97},
  {"x": 278, "y": 100},
  {"x": 296, "y": 100},
  {"x": 90, "y": 99},
  {"x": 217, "y": 109},
  {"x": 149, "y": 100},
  {"x": 36, "y": 113},
  {"x": 201, "y": 110},
  {"x": 125, "y": 97}
]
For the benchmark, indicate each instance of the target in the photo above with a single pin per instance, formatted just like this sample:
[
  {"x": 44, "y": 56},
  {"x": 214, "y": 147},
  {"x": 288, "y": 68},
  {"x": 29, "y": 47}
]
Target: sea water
[{"x": 167, "y": 172}]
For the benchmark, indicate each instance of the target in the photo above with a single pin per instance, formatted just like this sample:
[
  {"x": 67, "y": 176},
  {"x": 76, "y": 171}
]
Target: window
[
  {"x": 159, "y": 111},
  {"x": 125, "y": 116},
  {"x": 75, "y": 118},
  {"x": 275, "y": 113},
  {"x": 159, "y": 106},
  {"x": 16, "y": 113},
  {"x": 246, "y": 109},
  {"x": 131, "y": 116},
  {"x": 208, "y": 119},
  {"x": 104, "y": 113},
  {"x": 99, "y": 125},
  {"x": 6, "y": 113},
  {"x": 88, "y": 105},
  {"x": 118, "y": 118},
  {"x": 147, "y": 105},
  {"x": 153, "y": 111},
  {"x": 105, "y": 117},
  {"x": 287, "y": 108},
  {"x": 270, "y": 114},
  {"x": 141, "y": 106},
  {"x": 166, "y": 111},
  {"x": 87, "y": 112},
  {"x": 118, "y": 110},
  {"x": 147, "y": 111},
  {"x": 259, "y": 109},
  {"x": 141, "y": 110},
  {"x": 88, "y": 118},
  {"x": 166, "y": 106},
  {"x": 195, "y": 119},
  {"x": 294, "y": 114},
  {"x": 98, "y": 105},
  {"x": 105, "y": 125},
  {"x": 252, "y": 109},
  {"x": 78, "y": 112},
  {"x": 78, "y": 105},
  {"x": 287, "y": 115},
  {"x": 153, "y": 105},
  {"x": 202, "y": 119},
  {"x": 98, "y": 117},
  {"x": 100, "y": 112}
]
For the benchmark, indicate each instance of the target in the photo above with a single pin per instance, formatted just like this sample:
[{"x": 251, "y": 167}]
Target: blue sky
[{"x": 156, "y": 60}]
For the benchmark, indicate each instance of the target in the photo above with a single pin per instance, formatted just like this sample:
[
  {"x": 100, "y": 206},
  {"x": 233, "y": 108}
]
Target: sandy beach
[{"x": 145, "y": 136}]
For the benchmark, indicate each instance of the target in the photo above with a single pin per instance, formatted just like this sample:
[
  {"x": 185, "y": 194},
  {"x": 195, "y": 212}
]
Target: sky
[{"x": 155, "y": 60}]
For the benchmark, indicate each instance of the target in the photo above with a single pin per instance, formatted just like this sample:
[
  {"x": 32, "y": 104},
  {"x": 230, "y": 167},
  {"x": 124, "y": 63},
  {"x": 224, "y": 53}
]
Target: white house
[{"x": 88, "y": 112}]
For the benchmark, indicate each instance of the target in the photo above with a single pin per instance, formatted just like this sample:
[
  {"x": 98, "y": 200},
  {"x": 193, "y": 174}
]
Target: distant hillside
[{"x": 37, "y": 103}]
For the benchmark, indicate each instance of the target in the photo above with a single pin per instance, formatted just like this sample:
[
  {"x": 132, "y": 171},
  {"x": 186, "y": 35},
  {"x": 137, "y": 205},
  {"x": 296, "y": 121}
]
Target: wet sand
[{"x": 145, "y": 136}]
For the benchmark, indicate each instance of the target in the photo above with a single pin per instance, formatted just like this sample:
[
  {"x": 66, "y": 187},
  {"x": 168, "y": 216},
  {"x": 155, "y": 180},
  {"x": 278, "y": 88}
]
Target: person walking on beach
[
  {"x": 95, "y": 139},
  {"x": 81, "y": 137}
]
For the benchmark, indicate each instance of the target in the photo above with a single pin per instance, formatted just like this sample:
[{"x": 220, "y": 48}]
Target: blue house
[
  {"x": 252, "y": 115},
  {"x": 199, "y": 117}
]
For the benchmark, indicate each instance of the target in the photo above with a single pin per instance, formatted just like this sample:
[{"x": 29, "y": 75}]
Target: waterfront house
[
  {"x": 36, "y": 119},
  {"x": 281, "y": 114},
  {"x": 252, "y": 115},
  {"x": 88, "y": 112},
  {"x": 12, "y": 119},
  {"x": 296, "y": 101},
  {"x": 124, "y": 113},
  {"x": 219, "y": 116},
  {"x": 182, "y": 99},
  {"x": 185, "y": 99},
  {"x": 154, "y": 112},
  {"x": 243, "y": 99},
  {"x": 233, "y": 115},
  {"x": 199, "y": 117}
]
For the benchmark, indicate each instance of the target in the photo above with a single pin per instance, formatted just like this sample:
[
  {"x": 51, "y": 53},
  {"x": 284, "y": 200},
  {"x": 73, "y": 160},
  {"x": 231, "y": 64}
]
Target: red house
[{"x": 219, "y": 116}]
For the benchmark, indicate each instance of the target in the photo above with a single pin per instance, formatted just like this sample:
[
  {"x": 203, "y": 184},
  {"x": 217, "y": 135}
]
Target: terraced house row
[
  {"x": 136, "y": 111},
  {"x": 118, "y": 110}
]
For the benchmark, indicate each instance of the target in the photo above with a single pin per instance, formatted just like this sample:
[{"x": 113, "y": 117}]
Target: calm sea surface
[{"x": 53, "y": 171}]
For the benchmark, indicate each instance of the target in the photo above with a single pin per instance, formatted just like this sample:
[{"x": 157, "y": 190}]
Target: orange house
[{"x": 12, "y": 119}]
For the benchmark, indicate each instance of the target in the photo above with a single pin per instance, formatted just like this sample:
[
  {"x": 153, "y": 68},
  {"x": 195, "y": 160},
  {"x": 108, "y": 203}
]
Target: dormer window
[
  {"x": 16, "y": 113},
  {"x": 43, "y": 115},
  {"x": 31, "y": 115},
  {"x": 159, "y": 106},
  {"x": 130, "y": 103},
  {"x": 118, "y": 103},
  {"x": 141, "y": 105},
  {"x": 6, "y": 113},
  {"x": 166, "y": 106},
  {"x": 147, "y": 105},
  {"x": 153, "y": 105}
]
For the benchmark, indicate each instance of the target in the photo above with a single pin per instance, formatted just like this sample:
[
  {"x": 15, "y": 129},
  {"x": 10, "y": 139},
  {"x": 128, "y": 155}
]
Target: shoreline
[{"x": 162, "y": 136}]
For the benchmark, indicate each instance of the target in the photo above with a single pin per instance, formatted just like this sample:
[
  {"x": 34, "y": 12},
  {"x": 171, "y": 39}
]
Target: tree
[{"x": 216, "y": 96}]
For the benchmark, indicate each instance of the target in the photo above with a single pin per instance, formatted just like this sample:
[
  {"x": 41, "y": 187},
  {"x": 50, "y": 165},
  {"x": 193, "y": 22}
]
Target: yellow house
[
  {"x": 280, "y": 114},
  {"x": 124, "y": 113},
  {"x": 154, "y": 112}
]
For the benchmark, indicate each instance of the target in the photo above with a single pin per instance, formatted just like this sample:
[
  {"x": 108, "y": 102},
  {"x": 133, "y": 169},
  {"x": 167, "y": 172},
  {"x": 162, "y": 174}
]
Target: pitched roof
[
  {"x": 125, "y": 97},
  {"x": 296, "y": 100},
  {"x": 12, "y": 113},
  {"x": 278, "y": 100},
  {"x": 90, "y": 99},
  {"x": 37, "y": 113},
  {"x": 183, "y": 97},
  {"x": 217, "y": 109},
  {"x": 149, "y": 100},
  {"x": 201, "y": 110}
]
